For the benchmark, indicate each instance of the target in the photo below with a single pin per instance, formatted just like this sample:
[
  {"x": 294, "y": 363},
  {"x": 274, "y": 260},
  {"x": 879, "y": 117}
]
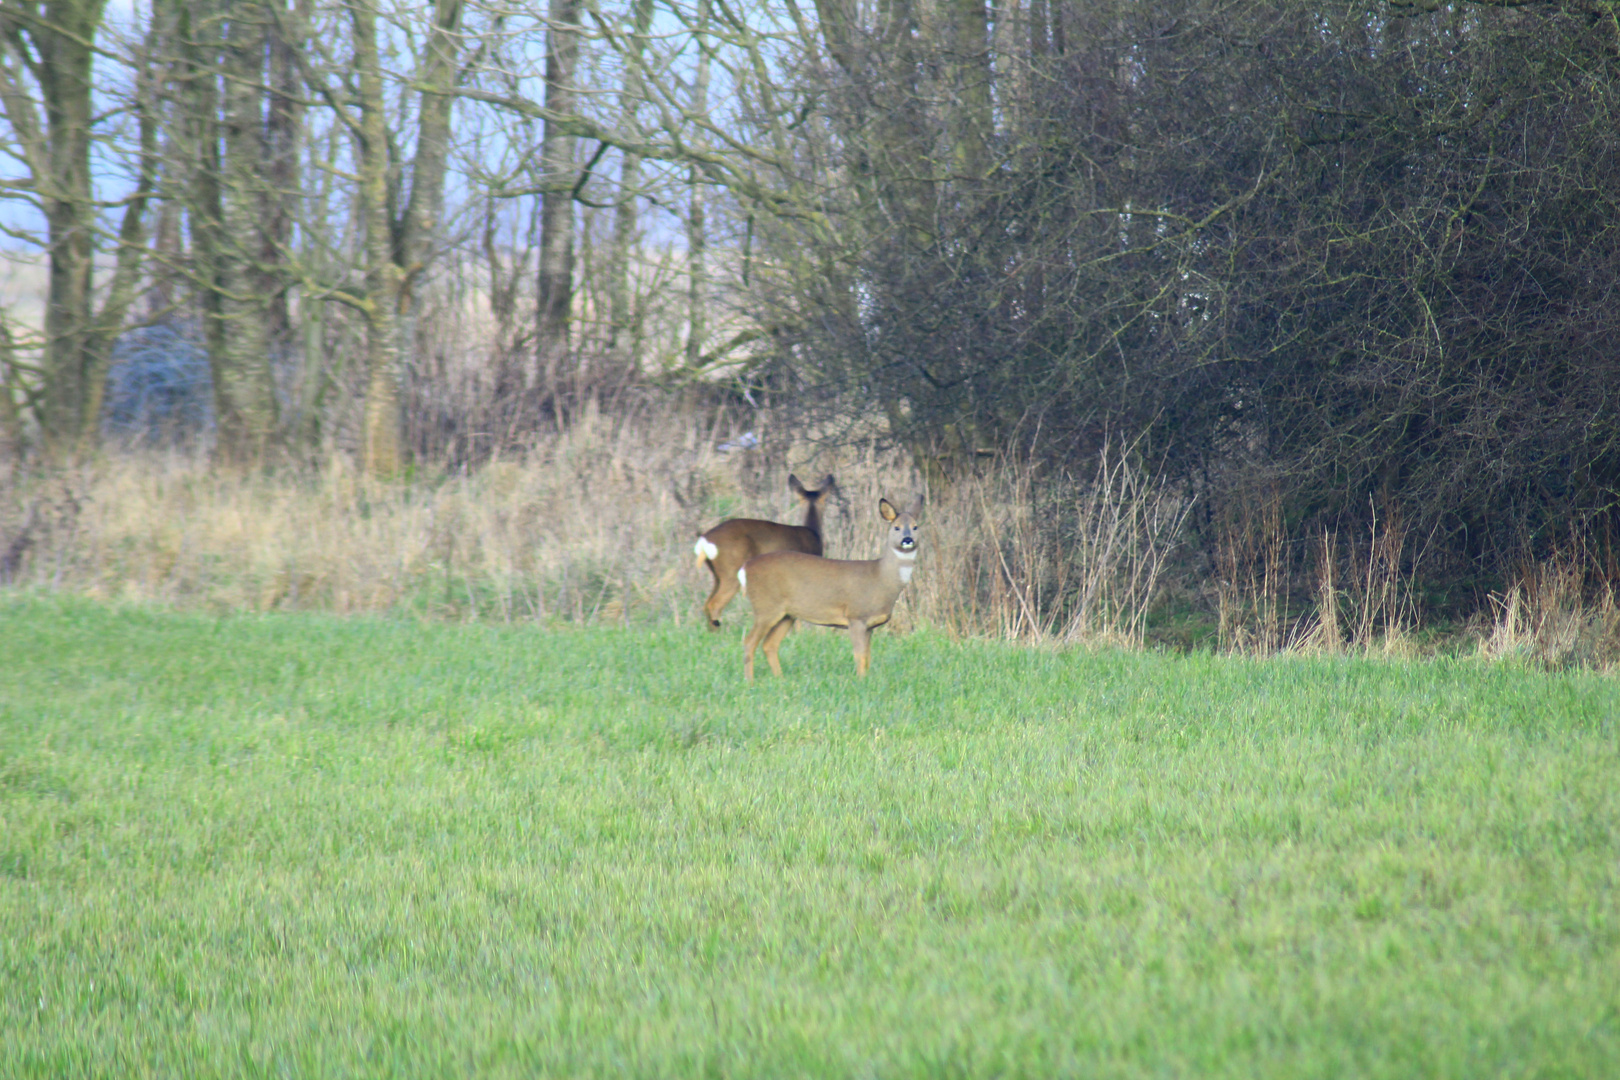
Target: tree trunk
[
  {"x": 970, "y": 83},
  {"x": 61, "y": 167},
  {"x": 244, "y": 277},
  {"x": 438, "y": 78},
  {"x": 284, "y": 136},
  {"x": 11, "y": 440},
  {"x": 382, "y": 450},
  {"x": 624, "y": 336},
  {"x": 419, "y": 225},
  {"x": 222, "y": 225},
  {"x": 556, "y": 276},
  {"x": 697, "y": 236}
]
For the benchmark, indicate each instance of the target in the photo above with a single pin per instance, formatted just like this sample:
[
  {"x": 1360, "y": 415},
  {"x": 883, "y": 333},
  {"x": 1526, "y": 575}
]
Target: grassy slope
[{"x": 305, "y": 846}]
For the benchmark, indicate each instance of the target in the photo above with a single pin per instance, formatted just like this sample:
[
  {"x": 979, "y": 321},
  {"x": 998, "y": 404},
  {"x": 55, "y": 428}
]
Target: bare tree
[
  {"x": 396, "y": 245},
  {"x": 47, "y": 59}
]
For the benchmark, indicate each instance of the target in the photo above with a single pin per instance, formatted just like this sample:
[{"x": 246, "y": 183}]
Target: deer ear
[
  {"x": 829, "y": 483},
  {"x": 796, "y": 487},
  {"x": 916, "y": 507},
  {"x": 886, "y": 508}
]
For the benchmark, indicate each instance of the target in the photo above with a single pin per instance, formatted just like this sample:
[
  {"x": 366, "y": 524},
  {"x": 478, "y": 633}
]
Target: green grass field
[{"x": 306, "y": 846}]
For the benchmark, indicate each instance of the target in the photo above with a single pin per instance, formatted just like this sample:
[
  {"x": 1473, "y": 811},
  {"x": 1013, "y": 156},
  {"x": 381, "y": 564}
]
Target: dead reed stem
[
  {"x": 1252, "y": 591},
  {"x": 1329, "y": 634}
]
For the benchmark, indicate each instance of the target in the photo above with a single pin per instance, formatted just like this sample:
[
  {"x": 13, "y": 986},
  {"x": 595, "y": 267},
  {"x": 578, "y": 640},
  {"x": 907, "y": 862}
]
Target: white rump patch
[
  {"x": 742, "y": 577},
  {"x": 905, "y": 573},
  {"x": 703, "y": 549}
]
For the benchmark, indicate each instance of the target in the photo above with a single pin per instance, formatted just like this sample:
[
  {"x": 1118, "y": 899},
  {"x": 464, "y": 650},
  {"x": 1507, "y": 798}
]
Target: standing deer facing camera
[
  {"x": 733, "y": 542},
  {"x": 860, "y": 595}
]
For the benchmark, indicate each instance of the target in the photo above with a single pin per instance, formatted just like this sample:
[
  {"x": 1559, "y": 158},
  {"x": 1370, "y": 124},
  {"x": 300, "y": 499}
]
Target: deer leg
[
  {"x": 725, "y": 587},
  {"x": 750, "y": 643},
  {"x": 773, "y": 641},
  {"x": 861, "y": 638}
]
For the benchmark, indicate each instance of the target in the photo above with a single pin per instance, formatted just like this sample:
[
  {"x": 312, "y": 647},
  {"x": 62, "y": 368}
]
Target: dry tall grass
[
  {"x": 592, "y": 524},
  {"x": 1252, "y": 591},
  {"x": 1365, "y": 594},
  {"x": 1552, "y": 618}
]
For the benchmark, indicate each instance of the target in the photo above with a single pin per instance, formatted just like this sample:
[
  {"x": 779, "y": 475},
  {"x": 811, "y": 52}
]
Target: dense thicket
[{"x": 1358, "y": 259}]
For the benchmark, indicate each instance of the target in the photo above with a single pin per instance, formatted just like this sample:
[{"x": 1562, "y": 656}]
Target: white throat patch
[{"x": 905, "y": 573}]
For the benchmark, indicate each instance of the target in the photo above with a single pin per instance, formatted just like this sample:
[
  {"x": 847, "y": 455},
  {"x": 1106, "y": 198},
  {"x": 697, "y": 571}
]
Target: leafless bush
[{"x": 1126, "y": 523}]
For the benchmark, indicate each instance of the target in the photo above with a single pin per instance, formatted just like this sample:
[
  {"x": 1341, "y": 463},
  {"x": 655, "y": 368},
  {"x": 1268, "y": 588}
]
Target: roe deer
[
  {"x": 733, "y": 542},
  {"x": 789, "y": 585}
]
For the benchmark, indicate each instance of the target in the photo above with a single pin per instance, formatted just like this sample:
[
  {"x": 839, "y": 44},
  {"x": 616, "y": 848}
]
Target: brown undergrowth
[{"x": 594, "y": 524}]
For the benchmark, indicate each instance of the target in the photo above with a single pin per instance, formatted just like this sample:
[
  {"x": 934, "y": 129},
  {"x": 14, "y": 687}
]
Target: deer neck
[
  {"x": 812, "y": 516},
  {"x": 896, "y": 565}
]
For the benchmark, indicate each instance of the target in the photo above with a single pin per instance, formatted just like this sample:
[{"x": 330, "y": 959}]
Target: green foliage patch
[{"x": 303, "y": 845}]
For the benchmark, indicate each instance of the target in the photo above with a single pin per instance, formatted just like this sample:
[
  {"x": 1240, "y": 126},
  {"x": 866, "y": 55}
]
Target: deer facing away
[
  {"x": 790, "y": 585},
  {"x": 730, "y": 544}
]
